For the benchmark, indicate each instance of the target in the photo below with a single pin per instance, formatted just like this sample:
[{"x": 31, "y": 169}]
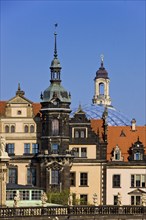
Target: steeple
[
  {"x": 101, "y": 94},
  {"x": 55, "y": 64}
]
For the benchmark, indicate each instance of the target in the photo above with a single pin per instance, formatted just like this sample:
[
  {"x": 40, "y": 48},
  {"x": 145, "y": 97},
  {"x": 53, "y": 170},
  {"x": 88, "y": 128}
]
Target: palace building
[{"x": 91, "y": 149}]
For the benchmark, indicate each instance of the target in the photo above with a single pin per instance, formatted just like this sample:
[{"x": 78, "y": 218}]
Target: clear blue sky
[{"x": 85, "y": 30}]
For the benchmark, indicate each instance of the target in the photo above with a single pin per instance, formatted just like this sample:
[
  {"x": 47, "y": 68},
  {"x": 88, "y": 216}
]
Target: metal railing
[{"x": 72, "y": 211}]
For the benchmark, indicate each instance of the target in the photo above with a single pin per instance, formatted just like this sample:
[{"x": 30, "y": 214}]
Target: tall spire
[
  {"x": 55, "y": 46},
  {"x": 55, "y": 64}
]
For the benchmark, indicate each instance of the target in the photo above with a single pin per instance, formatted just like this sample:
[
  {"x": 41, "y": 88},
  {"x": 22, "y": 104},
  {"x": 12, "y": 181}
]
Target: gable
[{"x": 19, "y": 100}]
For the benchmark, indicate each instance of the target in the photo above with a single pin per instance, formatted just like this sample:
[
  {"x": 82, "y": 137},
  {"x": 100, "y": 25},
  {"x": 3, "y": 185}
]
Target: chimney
[{"x": 133, "y": 125}]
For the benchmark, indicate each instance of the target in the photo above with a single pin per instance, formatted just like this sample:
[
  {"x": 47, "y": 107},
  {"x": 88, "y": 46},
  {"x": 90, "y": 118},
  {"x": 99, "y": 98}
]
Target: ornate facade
[{"x": 52, "y": 149}]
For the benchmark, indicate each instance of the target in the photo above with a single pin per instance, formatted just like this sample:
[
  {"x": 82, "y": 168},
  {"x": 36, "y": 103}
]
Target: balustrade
[{"x": 72, "y": 211}]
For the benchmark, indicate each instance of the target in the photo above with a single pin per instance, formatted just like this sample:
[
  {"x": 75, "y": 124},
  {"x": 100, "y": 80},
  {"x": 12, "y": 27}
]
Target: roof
[
  {"x": 94, "y": 111},
  {"x": 2, "y": 107},
  {"x": 124, "y": 137},
  {"x": 36, "y": 108},
  {"x": 11, "y": 186},
  {"x": 97, "y": 126}
]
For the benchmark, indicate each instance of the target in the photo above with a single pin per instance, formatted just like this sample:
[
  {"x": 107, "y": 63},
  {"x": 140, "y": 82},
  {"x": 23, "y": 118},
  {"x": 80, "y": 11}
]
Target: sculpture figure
[
  {"x": 16, "y": 199},
  {"x": 44, "y": 198}
]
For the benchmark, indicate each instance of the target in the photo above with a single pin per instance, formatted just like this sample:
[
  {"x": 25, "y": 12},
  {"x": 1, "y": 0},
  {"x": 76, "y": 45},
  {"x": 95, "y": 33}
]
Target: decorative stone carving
[
  {"x": 70, "y": 200},
  {"x": 44, "y": 198},
  {"x": 3, "y": 153},
  {"x": 119, "y": 199},
  {"x": 16, "y": 199},
  {"x": 143, "y": 199}
]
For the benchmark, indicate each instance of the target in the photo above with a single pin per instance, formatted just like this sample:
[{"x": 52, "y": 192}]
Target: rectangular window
[
  {"x": 116, "y": 200},
  {"x": 10, "y": 194},
  {"x": 76, "y": 152},
  {"x": 116, "y": 181},
  {"x": 55, "y": 177},
  {"x": 138, "y": 180},
  {"x": 31, "y": 176},
  {"x": 72, "y": 179},
  {"x": 55, "y": 148},
  {"x": 83, "y": 179},
  {"x": 24, "y": 195},
  {"x": 13, "y": 175},
  {"x": 83, "y": 199},
  {"x": 27, "y": 148},
  {"x": 10, "y": 148},
  {"x": 36, "y": 194},
  {"x": 83, "y": 152},
  {"x": 135, "y": 200},
  {"x": 35, "y": 148}
]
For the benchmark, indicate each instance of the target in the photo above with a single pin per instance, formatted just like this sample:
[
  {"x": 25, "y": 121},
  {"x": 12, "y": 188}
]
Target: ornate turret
[
  {"x": 55, "y": 92},
  {"x": 55, "y": 111},
  {"x": 101, "y": 95},
  {"x": 20, "y": 92}
]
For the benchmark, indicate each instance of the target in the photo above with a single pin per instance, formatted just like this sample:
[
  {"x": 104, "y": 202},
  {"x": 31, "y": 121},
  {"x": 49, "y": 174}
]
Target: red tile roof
[
  {"x": 2, "y": 108},
  {"x": 36, "y": 108},
  {"x": 124, "y": 137}
]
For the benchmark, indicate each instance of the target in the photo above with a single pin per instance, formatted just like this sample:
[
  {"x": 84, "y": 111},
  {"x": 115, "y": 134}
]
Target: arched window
[
  {"x": 26, "y": 128},
  {"x": 31, "y": 128},
  {"x": 55, "y": 127},
  {"x": 12, "y": 129},
  {"x": 7, "y": 129},
  {"x": 101, "y": 89}
]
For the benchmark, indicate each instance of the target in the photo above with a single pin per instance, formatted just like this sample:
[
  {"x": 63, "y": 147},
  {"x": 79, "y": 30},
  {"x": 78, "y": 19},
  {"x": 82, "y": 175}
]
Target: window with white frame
[
  {"x": 138, "y": 180},
  {"x": 80, "y": 152},
  {"x": 24, "y": 195},
  {"x": 135, "y": 200}
]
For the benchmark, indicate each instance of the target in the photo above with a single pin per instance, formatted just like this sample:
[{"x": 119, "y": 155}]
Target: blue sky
[{"x": 86, "y": 29}]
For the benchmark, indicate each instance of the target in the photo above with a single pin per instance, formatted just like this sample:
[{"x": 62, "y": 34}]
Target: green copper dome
[{"x": 56, "y": 91}]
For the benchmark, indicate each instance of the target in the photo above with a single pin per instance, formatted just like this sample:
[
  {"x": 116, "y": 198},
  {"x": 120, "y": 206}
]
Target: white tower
[{"x": 101, "y": 94}]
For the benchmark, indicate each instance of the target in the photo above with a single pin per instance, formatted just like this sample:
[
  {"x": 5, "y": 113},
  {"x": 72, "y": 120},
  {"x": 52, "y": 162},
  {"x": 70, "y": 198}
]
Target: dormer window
[
  {"x": 117, "y": 154},
  {"x": 137, "y": 151},
  {"x": 80, "y": 132},
  {"x": 138, "y": 156}
]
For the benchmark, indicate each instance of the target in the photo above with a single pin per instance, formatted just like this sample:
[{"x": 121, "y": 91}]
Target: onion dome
[{"x": 101, "y": 73}]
